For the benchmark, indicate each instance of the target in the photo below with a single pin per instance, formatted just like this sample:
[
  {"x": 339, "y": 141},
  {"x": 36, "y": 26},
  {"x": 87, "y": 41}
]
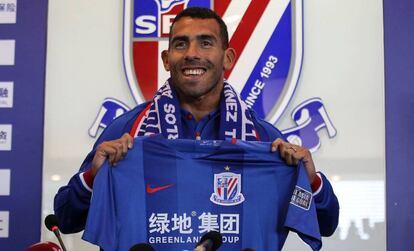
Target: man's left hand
[{"x": 293, "y": 153}]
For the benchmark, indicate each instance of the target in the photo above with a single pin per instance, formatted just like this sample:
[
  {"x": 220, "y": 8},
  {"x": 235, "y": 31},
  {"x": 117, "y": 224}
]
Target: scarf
[{"x": 162, "y": 116}]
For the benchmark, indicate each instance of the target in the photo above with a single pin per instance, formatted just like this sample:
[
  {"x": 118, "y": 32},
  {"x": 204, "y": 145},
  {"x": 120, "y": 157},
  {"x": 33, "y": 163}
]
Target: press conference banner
[{"x": 23, "y": 26}]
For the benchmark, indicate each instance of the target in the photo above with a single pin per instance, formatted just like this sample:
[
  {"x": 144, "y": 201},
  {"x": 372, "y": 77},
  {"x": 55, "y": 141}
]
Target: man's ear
[
  {"x": 229, "y": 58},
  {"x": 164, "y": 57}
]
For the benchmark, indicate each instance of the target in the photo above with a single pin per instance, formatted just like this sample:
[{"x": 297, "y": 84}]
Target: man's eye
[
  {"x": 179, "y": 45},
  {"x": 206, "y": 43}
]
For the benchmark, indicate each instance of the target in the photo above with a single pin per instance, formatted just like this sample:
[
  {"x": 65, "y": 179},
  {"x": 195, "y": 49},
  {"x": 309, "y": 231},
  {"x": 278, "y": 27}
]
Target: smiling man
[
  {"x": 195, "y": 103},
  {"x": 197, "y": 56}
]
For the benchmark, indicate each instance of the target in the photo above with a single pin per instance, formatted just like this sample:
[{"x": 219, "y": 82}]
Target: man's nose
[{"x": 192, "y": 51}]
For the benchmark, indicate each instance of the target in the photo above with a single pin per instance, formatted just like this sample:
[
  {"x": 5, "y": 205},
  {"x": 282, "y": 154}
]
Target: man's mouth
[{"x": 194, "y": 72}]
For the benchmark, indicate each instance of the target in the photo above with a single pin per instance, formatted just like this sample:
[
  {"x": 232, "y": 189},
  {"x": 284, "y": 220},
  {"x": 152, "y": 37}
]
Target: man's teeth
[{"x": 194, "y": 72}]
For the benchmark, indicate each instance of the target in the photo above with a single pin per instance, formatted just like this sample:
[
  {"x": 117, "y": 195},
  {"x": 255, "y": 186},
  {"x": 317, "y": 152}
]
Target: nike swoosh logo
[{"x": 157, "y": 189}]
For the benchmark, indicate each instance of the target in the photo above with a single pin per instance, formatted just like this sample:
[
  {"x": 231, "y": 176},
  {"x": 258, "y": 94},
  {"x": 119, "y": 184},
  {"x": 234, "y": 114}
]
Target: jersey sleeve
[
  {"x": 301, "y": 216},
  {"x": 71, "y": 203}
]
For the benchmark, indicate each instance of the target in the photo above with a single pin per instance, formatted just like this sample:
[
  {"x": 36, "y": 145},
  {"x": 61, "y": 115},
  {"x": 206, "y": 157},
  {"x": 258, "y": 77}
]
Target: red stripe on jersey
[
  {"x": 145, "y": 56},
  {"x": 246, "y": 27},
  {"x": 138, "y": 120},
  {"x": 220, "y": 6}
]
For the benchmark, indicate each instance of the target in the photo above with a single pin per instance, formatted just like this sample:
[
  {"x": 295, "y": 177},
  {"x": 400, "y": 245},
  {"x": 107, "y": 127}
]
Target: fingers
[
  {"x": 288, "y": 152},
  {"x": 117, "y": 153},
  {"x": 129, "y": 140},
  {"x": 292, "y": 154},
  {"x": 276, "y": 144},
  {"x": 119, "y": 148},
  {"x": 108, "y": 150},
  {"x": 113, "y": 151}
]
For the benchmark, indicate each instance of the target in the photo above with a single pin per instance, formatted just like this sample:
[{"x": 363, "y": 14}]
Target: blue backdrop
[
  {"x": 399, "y": 100},
  {"x": 24, "y": 159}
]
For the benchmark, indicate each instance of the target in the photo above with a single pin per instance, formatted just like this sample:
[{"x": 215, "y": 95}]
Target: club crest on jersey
[
  {"x": 267, "y": 40},
  {"x": 227, "y": 189}
]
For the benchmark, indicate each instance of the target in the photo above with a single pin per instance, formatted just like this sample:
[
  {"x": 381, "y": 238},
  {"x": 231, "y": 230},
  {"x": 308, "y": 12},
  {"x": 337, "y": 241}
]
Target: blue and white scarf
[{"x": 162, "y": 116}]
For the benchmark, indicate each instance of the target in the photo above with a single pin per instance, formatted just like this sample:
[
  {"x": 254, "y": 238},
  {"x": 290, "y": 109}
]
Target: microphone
[
  {"x": 142, "y": 247},
  {"x": 52, "y": 224},
  {"x": 211, "y": 241}
]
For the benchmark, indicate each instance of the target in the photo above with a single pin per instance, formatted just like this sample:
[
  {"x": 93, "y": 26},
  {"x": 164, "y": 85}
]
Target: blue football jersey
[{"x": 169, "y": 193}]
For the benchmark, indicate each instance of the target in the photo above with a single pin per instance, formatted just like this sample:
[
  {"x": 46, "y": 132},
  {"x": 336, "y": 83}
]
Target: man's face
[{"x": 196, "y": 58}]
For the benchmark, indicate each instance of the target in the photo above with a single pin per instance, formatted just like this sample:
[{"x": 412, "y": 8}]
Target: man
[{"x": 197, "y": 57}]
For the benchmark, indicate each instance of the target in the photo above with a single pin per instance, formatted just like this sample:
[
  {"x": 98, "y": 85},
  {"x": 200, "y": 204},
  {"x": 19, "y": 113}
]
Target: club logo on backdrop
[
  {"x": 227, "y": 189},
  {"x": 267, "y": 36},
  {"x": 267, "y": 66}
]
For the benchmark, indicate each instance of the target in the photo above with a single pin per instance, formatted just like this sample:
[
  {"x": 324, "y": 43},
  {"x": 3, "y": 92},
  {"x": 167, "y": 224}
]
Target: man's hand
[
  {"x": 293, "y": 153},
  {"x": 114, "y": 151}
]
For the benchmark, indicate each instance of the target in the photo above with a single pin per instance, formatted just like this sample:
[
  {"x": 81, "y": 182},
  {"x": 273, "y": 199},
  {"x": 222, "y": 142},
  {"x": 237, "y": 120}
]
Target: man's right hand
[{"x": 114, "y": 151}]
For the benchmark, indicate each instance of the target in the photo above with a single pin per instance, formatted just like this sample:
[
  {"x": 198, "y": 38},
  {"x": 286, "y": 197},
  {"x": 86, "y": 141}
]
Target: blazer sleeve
[{"x": 71, "y": 203}]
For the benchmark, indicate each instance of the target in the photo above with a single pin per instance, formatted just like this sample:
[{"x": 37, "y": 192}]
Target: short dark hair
[{"x": 204, "y": 13}]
